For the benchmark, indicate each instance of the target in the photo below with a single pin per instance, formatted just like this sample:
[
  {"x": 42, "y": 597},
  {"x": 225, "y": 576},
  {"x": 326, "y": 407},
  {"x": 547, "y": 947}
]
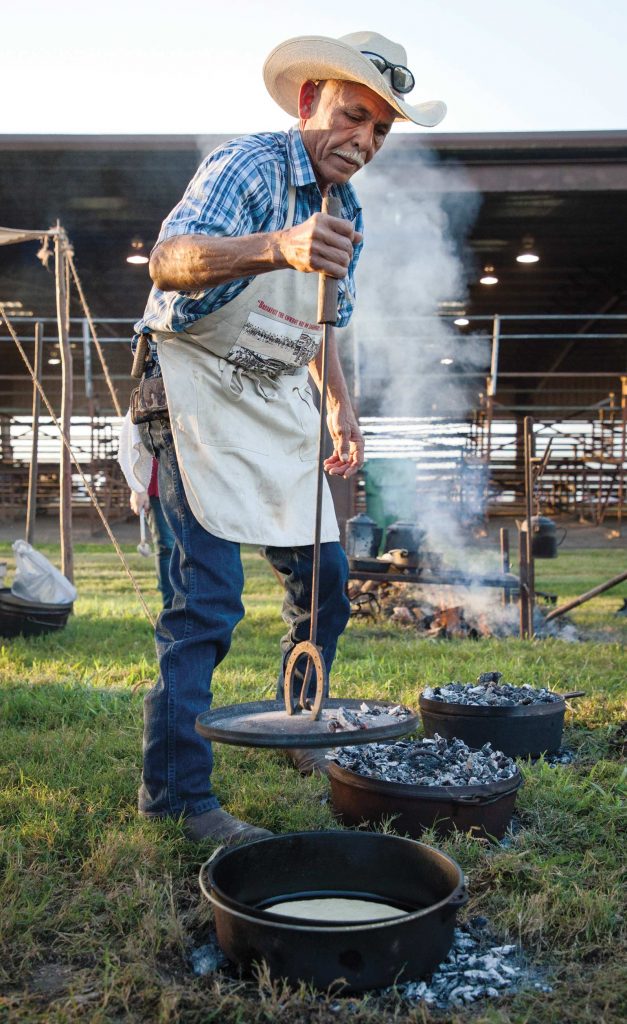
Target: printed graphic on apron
[{"x": 274, "y": 341}]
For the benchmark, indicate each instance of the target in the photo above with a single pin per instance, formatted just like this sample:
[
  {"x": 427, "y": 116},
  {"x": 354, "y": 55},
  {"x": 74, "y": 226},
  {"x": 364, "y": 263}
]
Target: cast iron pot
[
  {"x": 520, "y": 731},
  {"x": 485, "y": 809},
  {"x": 29, "y": 618},
  {"x": 242, "y": 884}
]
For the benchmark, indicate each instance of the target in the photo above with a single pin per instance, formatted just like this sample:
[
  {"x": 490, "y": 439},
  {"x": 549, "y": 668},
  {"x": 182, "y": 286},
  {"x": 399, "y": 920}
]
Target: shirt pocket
[{"x": 228, "y": 422}]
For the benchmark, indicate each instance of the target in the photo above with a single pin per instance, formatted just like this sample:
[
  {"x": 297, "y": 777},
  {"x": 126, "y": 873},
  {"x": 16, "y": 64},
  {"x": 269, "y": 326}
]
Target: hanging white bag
[{"x": 36, "y": 579}]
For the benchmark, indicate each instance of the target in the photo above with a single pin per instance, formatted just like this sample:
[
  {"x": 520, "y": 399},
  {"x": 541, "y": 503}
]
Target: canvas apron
[{"x": 243, "y": 418}]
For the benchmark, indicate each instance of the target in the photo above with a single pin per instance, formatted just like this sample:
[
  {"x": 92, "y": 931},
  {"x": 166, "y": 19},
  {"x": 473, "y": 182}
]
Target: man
[{"x": 233, "y": 319}]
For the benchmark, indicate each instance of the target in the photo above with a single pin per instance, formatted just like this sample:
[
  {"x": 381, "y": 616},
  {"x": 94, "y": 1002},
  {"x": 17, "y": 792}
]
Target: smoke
[{"x": 417, "y": 215}]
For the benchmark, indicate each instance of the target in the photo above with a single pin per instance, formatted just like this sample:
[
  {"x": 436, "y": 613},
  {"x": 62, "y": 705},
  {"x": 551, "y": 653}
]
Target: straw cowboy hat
[{"x": 349, "y": 58}]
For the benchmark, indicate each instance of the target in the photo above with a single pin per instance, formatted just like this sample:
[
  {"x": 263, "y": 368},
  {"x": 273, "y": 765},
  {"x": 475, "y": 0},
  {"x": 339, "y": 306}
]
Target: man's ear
[{"x": 306, "y": 100}]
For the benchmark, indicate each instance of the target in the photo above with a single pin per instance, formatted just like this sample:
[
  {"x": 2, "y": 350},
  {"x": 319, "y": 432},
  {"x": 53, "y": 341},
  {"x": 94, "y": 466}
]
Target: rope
[
  {"x": 87, "y": 485},
  {"x": 99, "y": 349}
]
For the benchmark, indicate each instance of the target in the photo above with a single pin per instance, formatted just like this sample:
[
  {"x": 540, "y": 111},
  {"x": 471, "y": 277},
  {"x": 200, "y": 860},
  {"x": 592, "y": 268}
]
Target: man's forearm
[{"x": 188, "y": 263}]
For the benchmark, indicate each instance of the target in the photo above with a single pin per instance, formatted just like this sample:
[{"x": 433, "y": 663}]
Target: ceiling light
[
  {"x": 488, "y": 276},
  {"x": 446, "y": 361},
  {"x": 53, "y": 360},
  {"x": 462, "y": 321},
  {"x": 527, "y": 254},
  {"x": 11, "y": 305},
  {"x": 138, "y": 254}
]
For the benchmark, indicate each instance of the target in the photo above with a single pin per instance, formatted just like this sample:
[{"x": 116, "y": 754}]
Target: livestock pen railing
[{"x": 472, "y": 453}]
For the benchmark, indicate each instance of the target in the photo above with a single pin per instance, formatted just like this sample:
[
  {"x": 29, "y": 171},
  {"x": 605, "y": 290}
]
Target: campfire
[{"x": 448, "y": 613}]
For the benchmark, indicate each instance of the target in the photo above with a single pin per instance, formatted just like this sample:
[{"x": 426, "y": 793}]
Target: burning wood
[{"x": 447, "y": 613}]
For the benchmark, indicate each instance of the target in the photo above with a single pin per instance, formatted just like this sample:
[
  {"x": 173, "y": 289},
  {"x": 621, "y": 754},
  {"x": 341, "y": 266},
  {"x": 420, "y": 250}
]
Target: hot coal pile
[
  {"x": 488, "y": 691},
  {"x": 473, "y": 970},
  {"x": 365, "y": 718},
  {"x": 434, "y": 762}
]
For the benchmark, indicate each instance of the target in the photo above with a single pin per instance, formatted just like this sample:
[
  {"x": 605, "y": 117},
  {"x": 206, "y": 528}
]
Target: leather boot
[
  {"x": 219, "y": 826},
  {"x": 309, "y": 760}
]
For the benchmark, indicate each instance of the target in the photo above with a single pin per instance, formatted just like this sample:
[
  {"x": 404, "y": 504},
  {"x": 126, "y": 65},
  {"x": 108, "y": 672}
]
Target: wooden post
[
  {"x": 505, "y": 562},
  {"x": 31, "y": 502},
  {"x": 65, "y": 483},
  {"x": 529, "y": 453},
  {"x": 524, "y": 584}
]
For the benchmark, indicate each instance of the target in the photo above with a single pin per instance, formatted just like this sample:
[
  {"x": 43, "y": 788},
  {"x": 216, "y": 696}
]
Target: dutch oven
[
  {"x": 420, "y": 886},
  {"x": 29, "y": 618},
  {"x": 520, "y": 731},
  {"x": 484, "y": 809}
]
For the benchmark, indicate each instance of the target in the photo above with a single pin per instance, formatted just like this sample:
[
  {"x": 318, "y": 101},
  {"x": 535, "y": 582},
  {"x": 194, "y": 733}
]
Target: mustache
[{"x": 351, "y": 154}]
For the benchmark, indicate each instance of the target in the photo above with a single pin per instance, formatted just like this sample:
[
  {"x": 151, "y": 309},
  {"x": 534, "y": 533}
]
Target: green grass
[{"x": 98, "y": 909}]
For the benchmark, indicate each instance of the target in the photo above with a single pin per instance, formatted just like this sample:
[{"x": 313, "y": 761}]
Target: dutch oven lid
[{"x": 265, "y": 723}]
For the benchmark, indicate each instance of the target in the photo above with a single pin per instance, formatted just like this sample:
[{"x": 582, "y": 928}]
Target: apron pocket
[
  {"x": 309, "y": 418},
  {"x": 224, "y": 422}
]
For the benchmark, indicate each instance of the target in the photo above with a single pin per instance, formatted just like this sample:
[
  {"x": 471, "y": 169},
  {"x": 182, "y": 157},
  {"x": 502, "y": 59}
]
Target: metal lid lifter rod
[{"x": 327, "y": 316}]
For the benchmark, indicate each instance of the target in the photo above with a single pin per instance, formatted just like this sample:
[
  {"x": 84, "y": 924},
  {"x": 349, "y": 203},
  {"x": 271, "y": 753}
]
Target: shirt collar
[
  {"x": 300, "y": 164},
  {"x": 302, "y": 173}
]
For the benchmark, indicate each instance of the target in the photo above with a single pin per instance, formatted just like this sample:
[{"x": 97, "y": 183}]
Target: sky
[{"x": 149, "y": 66}]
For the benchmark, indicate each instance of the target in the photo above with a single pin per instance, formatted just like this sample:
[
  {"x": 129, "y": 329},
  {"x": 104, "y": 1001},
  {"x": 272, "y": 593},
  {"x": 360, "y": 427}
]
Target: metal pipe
[
  {"x": 441, "y": 579},
  {"x": 529, "y": 453},
  {"x": 494, "y": 365},
  {"x": 623, "y": 454},
  {"x": 505, "y": 561}
]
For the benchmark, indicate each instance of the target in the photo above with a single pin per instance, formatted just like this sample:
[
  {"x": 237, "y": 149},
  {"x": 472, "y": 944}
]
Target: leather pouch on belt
[{"x": 148, "y": 400}]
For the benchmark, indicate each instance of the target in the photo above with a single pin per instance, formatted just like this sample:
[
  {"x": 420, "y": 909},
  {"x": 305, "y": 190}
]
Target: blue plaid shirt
[{"x": 241, "y": 189}]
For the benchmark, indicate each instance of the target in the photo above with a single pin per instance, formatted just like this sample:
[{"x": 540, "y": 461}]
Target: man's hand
[
  {"x": 348, "y": 443},
  {"x": 139, "y": 501},
  {"x": 321, "y": 244}
]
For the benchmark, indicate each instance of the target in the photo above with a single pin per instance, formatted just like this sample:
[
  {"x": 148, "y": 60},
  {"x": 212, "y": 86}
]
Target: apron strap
[{"x": 291, "y": 206}]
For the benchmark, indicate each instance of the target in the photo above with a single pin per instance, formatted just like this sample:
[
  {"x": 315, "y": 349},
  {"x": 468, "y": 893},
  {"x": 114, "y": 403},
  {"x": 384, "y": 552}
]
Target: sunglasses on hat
[{"x": 402, "y": 78}]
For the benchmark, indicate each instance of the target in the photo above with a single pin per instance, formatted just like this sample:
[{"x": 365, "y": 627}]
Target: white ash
[
  {"x": 471, "y": 971},
  {"x": 207, "y": 959},
  {"x": 349, "y": 721},
  {"x": 562, "y": 756},
  {"x": 488, "y": 691},
  {"x": 427, "y": 762}
]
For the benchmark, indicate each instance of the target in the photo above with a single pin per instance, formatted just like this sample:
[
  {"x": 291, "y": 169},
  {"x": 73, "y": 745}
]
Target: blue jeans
[
  {"x": 194, "y": 635},
  {"x": 163, "y": 542}
]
